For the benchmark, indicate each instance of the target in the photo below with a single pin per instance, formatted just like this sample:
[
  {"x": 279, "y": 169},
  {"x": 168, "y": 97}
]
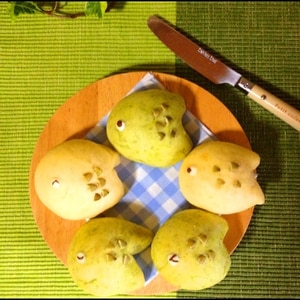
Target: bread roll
[
  {"x": 220, "y": 177},
  {"x": 77, "y": 179}
]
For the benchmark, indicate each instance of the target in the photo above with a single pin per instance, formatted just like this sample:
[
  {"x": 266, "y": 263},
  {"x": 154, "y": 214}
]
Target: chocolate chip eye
[
  {"x": 55, "y": 183},
  {"x": 120, "y": 125},
  {"x": 192, "y": 171},
  {"x": 80, "y": 257},
  {"x": 173, "y": 259}
]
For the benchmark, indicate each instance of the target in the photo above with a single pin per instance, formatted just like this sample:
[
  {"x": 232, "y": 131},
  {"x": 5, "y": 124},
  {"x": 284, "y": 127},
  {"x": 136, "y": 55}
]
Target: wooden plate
[{"x": 77, "y": 116}]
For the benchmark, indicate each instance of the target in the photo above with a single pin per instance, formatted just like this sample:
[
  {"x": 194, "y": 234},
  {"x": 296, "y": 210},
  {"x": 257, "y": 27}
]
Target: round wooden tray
[{"x": 77, "y": 116}]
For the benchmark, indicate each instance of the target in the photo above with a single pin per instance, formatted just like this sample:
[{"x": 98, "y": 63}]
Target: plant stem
[{"x": 54, "y": 13}]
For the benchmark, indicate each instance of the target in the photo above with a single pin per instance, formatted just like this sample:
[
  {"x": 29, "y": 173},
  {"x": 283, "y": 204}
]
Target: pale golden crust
[
  {"x": 77, "y": 180},
  {"x": 221, "y": 177}
]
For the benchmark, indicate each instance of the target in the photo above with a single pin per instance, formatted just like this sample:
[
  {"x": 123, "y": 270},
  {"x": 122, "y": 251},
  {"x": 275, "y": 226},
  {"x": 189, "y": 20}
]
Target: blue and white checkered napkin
[{"x": 153, "y": 193}]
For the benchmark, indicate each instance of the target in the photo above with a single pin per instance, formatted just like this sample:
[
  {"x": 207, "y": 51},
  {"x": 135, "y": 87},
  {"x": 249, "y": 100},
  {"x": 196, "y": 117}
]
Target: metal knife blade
[{"x": 218, "y": 72}]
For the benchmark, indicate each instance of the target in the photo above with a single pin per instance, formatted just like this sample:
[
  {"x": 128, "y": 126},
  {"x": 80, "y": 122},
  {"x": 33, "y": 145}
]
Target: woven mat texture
[{"x": 45, "y": 60}]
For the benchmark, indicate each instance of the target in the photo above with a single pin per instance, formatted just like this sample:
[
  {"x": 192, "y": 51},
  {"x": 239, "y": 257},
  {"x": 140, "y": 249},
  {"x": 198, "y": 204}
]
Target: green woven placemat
[
  {"x": 44, "y": 61},
  {"x": 261, "y": 40}
]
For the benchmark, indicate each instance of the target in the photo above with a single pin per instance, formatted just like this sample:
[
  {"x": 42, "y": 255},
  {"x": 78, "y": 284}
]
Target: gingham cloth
[{"x": 153, "y": 193}]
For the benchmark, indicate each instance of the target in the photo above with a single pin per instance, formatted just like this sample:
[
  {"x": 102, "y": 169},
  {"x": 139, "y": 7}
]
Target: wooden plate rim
[{"x": 83, "y": 110}]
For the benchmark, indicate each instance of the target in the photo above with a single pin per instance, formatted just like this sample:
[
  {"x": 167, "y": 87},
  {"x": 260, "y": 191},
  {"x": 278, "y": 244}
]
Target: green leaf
[
  {"x": 97, "y": 8},
  {"x": 22, "y": 7}
]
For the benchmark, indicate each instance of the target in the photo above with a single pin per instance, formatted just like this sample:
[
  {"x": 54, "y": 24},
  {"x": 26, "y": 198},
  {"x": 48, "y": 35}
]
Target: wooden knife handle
[{"x": 279, "y": 108}]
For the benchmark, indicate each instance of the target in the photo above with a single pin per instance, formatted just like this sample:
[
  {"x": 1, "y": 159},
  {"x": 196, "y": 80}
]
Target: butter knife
[{"x": 219, "y": 73}]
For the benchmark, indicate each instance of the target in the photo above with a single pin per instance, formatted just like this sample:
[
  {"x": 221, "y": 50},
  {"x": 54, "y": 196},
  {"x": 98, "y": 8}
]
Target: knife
[{"x": 218, "y": 72}]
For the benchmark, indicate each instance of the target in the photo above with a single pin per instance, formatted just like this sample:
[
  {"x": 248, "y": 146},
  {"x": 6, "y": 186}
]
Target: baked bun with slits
[
  {"x": 146, "y": 127},
  {"x": 220, "y": 177},
  {"x": 101, "y": 256},
  {"x": 77, "y": 179},
  {"x": 188, "y": 249}
]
